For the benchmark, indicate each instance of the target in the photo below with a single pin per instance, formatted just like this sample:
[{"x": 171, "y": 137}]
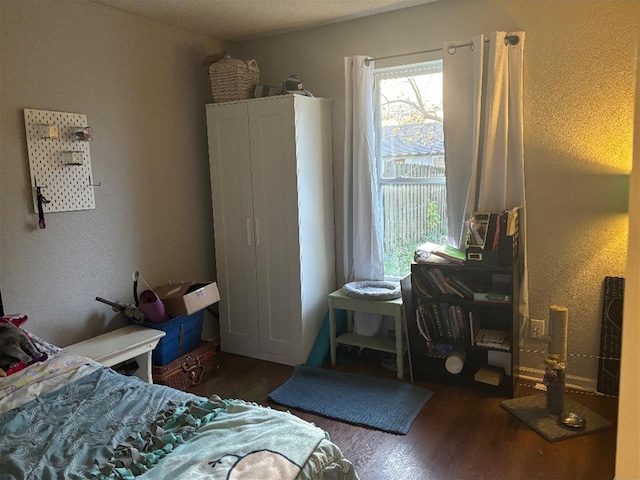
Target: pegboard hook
[
  {"x": 91, "y": 184},
  {"x": 84, "y": 134},
  {"x": 41, "y": 201}
]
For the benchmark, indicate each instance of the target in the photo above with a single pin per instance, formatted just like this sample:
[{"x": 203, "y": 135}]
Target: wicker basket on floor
[
  {"x": 233, "y": 79},
  {"x": 189, "y": 369}
]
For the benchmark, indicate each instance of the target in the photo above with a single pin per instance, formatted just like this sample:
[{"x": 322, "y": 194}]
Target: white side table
[
  {"x": 131, "y": 342},
  {"x": 393, "y": 308}
]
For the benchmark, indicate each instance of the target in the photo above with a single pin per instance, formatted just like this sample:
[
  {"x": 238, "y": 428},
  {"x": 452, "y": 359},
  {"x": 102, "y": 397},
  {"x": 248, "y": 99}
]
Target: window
[{"x": 411, "y": 172}]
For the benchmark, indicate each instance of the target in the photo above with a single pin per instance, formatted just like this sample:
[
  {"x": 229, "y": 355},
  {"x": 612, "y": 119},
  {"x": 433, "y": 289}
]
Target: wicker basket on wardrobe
[{"x": 233, "y": 79}]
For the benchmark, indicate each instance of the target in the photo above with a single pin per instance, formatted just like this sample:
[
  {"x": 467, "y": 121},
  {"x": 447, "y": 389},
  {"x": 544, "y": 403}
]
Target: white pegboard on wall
[{"x": 59, "y": 160}]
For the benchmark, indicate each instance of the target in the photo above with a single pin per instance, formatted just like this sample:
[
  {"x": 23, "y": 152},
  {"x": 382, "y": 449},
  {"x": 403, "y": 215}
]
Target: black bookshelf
[{"x": 428, "y": 357}]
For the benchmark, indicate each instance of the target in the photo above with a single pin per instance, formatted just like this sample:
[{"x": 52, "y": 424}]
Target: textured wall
[
  {"x": 579, "y": 150},
  {"x": 578, "y": 111},
  {"x": 142, "y": 87}
]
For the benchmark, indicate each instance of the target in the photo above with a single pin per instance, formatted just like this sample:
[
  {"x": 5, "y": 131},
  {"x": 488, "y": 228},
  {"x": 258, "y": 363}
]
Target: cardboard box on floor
[{"x": 187, "y": 297}]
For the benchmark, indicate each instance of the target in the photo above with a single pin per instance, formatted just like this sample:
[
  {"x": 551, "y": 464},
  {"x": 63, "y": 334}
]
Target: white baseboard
[{"x": 573, "y": 382}]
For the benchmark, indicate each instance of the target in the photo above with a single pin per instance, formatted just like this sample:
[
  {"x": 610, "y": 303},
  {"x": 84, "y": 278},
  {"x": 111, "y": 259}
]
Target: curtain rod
[{"x": 508, "y": 40}]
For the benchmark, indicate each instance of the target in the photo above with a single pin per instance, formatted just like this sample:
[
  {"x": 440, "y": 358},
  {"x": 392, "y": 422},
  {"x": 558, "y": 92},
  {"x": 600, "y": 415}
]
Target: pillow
[{"x": 17, "y": 351}]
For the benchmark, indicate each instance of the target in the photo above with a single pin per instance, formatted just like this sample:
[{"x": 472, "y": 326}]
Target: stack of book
[
  {"x": 433, "y": 253},
  {"x": 430, "y": 282},
  {"x": 441, "y": 321}
]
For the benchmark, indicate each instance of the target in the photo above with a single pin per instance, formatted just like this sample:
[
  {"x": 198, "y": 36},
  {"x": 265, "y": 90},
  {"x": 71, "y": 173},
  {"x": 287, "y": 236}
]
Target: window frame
[{"x": 389, "y": 72}]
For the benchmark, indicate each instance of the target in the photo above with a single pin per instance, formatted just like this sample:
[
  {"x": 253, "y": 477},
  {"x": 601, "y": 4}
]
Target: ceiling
[{"x": 237, "y": 20}]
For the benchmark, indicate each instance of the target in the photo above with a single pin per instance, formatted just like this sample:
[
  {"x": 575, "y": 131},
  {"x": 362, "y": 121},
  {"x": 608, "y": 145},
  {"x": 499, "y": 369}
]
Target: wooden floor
[{"x": 460, "y": 434}]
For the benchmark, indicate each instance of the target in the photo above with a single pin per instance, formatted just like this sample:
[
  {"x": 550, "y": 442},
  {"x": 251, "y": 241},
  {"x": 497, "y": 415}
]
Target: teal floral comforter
[{"x": 104, "y": 425}]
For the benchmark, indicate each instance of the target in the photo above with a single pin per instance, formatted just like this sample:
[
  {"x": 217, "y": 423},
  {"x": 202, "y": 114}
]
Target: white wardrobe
[{"x": 271, "y": 182}]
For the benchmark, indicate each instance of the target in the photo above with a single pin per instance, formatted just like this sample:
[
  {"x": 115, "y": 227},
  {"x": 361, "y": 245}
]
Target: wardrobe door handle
[
  {"x": 249, "y": 231},
  {"x": 257, "y": 232}
]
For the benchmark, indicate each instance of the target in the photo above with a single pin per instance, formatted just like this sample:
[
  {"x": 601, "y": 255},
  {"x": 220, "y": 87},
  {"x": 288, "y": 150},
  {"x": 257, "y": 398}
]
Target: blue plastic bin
[{"x": 182, "y": 335}]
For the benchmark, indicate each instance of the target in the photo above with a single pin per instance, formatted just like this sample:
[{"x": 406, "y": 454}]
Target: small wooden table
[
  {"x": 392, "y": 308},
  {"x": 131, "y": 342}
]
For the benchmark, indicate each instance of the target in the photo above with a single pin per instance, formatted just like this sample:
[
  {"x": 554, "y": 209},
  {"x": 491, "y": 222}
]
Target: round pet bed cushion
[{"x": 372, "y": 290}]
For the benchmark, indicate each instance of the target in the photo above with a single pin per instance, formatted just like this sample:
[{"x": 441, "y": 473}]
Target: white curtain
[
  {"x": 462, "y": 95},
  {"x": 502, "y": 172},
  {"x": 483, "y": 133},
  {"x": 363, "y": 255}
]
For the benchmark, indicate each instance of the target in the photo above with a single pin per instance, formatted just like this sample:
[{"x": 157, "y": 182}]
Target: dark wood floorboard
[{"x": 460, "y": 434}]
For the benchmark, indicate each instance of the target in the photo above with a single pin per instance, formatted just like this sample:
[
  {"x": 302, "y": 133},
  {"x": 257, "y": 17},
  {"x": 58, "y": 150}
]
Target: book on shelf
[
  {"x": 496, "y": 339},
  {"x": 461, "y": 285},
  {"x": 425, "y": 328},
  {"x": 436, "y": 316},
  {"x": 460, "y": 321},
  {"x": 491, "y": 297},
  {"x": 512, "y": 221},
  {"x": 437, "y": 280},
  {"x": 474, "y": 326},
  {"x": 445, "y": 284},
  {"x": 429, "y": 322},
  {"x": 442, "y": 281},
  {"x": 450, "y": 253},
  {"x": 423, "y": 254},
  {"x": 423, "y": 322},
  {"x": 490, "y": 375},
  {"x": 448, "y": 320},
  {"x": 501, "y": 228},
  {"x": 453, "y": 288},
  {"x": 421, "y": 283},
  {"x": 426, "y": 283},
  {"x": 441, "y": 322},
  {"x": 433, "y": 253}
]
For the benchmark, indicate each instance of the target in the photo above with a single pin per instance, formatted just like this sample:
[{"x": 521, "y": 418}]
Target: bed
[{"x": 66, "y": 416}]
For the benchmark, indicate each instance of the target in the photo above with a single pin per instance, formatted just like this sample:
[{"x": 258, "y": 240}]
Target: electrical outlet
[{"x": 537, "y": 328}]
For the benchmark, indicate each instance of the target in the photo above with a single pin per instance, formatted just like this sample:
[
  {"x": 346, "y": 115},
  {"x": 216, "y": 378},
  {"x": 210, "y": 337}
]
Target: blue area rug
[{"x": 387, "y": 405}]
